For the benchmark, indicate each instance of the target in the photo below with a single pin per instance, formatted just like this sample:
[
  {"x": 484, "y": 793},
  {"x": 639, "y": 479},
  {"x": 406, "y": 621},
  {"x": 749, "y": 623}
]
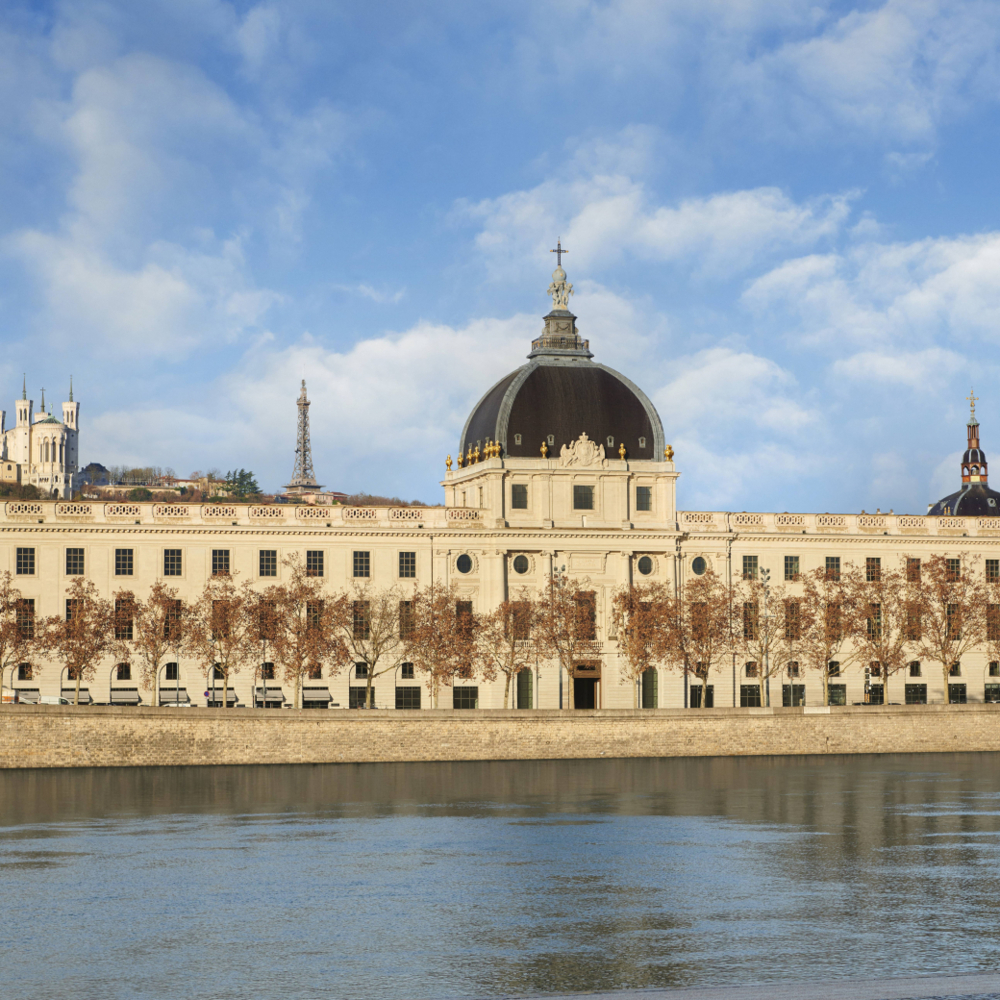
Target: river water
[{"x": 486, "y": 879}]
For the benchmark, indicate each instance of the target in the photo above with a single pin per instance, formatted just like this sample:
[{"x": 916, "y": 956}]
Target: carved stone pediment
[{"x": 582, "y": 452}]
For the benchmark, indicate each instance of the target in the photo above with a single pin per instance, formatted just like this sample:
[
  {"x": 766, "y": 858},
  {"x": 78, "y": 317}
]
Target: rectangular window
[
  {"x": 834, "y": 621},
  {"x": 124, "y": 671},
  {"x": 463, "y": 617},
  {"x": 913, "y": 571},
  {"x": 583, "y": 497},
  {"x": 695, "y": 696},
  {"x": 876, "y": 694},
  {"x": 750, "y": 669},
  {"x": 360, "y": 669},
  {"x": 74, "y": 562},
  {"x": 750, "y": 567},
  {"x": 25, "y": 562},
  {"x": 314, "y": 615},
  {"x": 914, "y": 623},
  {"x": 362, "y": 620},
  {"x": 833, "y": 669},
  {"x": 791, "y": 567},
  {"x": 873, "y": 569},
  {"x": 833, "y": 567},
  {"x": 521, "y": 620},
  {"x": 749, "y": 620},
  {"x": 315, "y": 672},
  {"x": 172, "y": 621},
  {"x": 24, "y": 672},
  {"x": 991, "y": 694},
  {"x": 749, "y": 696},
  {"x": 465, "y": 697},
  {"x": 916, "y": 694},
  {"x": 407, "y": 565},
  {"x": 955, "y": 670},
  {"x": 357, "y": 695},
  {"x": 267, "y": 672},
  {"x": 72, "y": 608},
  {"x": 314, "y": 563},
  {"x": 793, "y": 695},
  {"x": 220, "y": 562},
  {"x": 26, "y": 617},
  {"x": 838, "y": 694},
  {"x": 954, "y": 570},
  {"x": 915, "y": 668},
  {"x": 406, "y": 621},
  {"x": 993, "y": 621},
  {"x": 793, "y": 668},
  {"x": 171, "y": 562},
  {"x": 407, "y": 697},
  {"x": 994, "y": 668},
  {"x": 123, "y": 562},
  {"x": 268, "y": 562},
  {"x": 524, "y": 689},
  {"x": 170, "y": 672},
  {"x": 519, "y": 496},
  {"x": 993, "y": 570},
  {"x": 123, "y": 619},
  {"x": 793, "y": 620},
  {"x": 586, "y": 614},
  {"x": 874, "y": 622},
  {"x": 953, "y": 613},
  {"x": 956, "y": 694},
  {"x": 406, "y": 671},
  {"x": 644, "y": 498},
  {"x": 362, "y": 564}
]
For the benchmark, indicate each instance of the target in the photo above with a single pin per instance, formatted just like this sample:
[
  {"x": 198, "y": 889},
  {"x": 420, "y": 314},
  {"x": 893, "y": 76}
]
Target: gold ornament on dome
[
  {"x": 668, "y": 454},
  {"x": 475, "y": 454},
  {"x": 447, "y": 463},
  {"x": 544, "y": 449},
  {"x": 621, "y": 451},
  {"x": 468, "y": 458},
  {"x": 459, "y": 460}
]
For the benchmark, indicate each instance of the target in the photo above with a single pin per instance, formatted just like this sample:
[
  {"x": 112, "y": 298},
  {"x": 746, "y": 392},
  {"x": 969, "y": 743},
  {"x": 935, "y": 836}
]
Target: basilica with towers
[{"x": 41, "y": 449}]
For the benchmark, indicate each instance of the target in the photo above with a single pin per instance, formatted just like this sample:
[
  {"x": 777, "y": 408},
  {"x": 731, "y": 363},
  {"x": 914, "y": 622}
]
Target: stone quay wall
[{"x": 106, "y": 736}]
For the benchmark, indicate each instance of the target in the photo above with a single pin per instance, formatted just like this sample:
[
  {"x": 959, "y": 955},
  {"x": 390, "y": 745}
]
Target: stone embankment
[{"x": 104, "y": 736}]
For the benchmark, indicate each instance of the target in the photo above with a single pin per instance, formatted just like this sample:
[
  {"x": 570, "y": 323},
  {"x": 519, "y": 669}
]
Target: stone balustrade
[{"x": 744, "y": 523}]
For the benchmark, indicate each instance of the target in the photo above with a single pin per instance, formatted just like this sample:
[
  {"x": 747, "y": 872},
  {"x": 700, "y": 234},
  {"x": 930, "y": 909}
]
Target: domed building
[{"x": 975, "y": 498}]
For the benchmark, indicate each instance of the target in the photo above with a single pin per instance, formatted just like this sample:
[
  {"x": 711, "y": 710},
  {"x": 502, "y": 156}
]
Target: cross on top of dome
[{"x": 560, "y": 289}]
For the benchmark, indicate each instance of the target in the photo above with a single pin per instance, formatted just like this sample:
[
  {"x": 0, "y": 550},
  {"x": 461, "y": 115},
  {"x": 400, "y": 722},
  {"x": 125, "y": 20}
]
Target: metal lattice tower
[{"x": 303, "y": 477}]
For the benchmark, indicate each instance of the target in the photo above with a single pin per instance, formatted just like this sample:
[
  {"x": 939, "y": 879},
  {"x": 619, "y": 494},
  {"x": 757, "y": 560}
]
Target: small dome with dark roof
[
  {"x": 562, "y": 393},
  {"x": 975, "y": 498}
]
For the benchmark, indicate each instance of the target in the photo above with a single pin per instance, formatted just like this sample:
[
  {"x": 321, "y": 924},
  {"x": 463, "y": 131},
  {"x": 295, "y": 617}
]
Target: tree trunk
[
  {"x": 79, "y": 677},
  {"x": 826, "y": 683},
  {"x": 225, "y": 689},
  {"x": 761, "y": 681},
  {"x": 506, "y": 691},
  {"x": 704, "y": 690},
  {"x": 298, "y": 688},
  {"x": 635, "y": 691},
  {"x": 947, "y": 687},
  {"x": 368, "y": 690}
]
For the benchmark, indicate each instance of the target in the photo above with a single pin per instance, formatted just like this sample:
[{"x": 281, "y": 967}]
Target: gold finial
[
  {"x": 447, "y": 462},
  {"x": 668, "y": 454},
  {"x": 621, "y": 451},
  {"x": 973, "y": 399},
  {"x": 544, "y": 449},
  {"x": 468, "y": 458},
  {"x": 460, "y": 460},
  {"x": 475, "y": 454}
]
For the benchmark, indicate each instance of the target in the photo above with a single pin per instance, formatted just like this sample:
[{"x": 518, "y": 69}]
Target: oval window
[
  {"x": 645, "y": 565},
  {"x": 464, "y": 564},
  {"x": 698, "y": 565},
  {"x": 520, "y": 564}
]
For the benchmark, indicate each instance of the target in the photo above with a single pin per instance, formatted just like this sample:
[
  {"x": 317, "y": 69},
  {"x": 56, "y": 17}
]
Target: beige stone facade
[{"x": 603, "y": 546}]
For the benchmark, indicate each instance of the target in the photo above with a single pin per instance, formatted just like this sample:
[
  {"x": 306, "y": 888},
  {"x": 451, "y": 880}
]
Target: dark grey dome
[
  {"x": 563, "y": 398},
  {"x": 972, "y": 500}
]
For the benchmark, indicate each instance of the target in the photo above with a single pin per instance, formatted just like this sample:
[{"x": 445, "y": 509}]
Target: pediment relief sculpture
[{"x": 582, "y": 452}]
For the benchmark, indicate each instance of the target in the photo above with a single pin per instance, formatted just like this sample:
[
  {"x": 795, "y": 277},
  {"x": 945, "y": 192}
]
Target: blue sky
[{"x": 783, "y": 220}]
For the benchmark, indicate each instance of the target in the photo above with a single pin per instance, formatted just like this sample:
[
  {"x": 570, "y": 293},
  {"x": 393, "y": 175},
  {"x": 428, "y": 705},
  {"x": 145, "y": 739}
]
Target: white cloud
[{"x": 933, "y": 368}]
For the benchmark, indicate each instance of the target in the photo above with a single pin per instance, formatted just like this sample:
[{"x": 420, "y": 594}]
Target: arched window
[
  {"x": 62, "y": 452},
  {"x": 45, "y": 451}
]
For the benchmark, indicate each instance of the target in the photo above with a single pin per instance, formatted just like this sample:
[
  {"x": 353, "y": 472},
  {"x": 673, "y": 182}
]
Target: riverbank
[{"x": 106, "y": 736}]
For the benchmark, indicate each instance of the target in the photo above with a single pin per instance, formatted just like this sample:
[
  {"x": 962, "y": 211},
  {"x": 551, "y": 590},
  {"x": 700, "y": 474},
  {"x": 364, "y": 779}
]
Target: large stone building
[
  {"x": 563, "y": 466},
  {"x": 40, "y": 449}
]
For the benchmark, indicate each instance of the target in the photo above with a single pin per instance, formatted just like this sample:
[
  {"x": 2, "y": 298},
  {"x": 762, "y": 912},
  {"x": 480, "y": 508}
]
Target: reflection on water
[{"x": 485, "y": 879}]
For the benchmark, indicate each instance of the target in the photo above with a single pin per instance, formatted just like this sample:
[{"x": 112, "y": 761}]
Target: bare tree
[
  {"x": 697, "y": 628},
  {"x": 758, "y": 627},
  {"x": 81, "y": 638},
  {"x": 567, "y": 622},
  {"x": 827, "y": 615},
  {"x": 440, "y": 637},
  {"x": 300, "y": 619},
  {"x": 149, "y": 630},
  {"x": 220, "y": 630},
  {"x": 366, "y": 623},
  {"x": 948, "y": 610},
  {"x": 503, "y": 640},
  {"x": 640, "y": 617},
  {"x": 881, "y": 623},
  {"x": 17, "y": 627}
]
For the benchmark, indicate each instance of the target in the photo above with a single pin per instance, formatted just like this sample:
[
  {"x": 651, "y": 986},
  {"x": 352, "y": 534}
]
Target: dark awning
[
  {"x": 317, "y": 694},
  {"x": 174, "y": 696},
  {"x": 216, "y": 695},
  {"x": 125, "y": 696},
  {"x": 270, "y": 694},
  {"x": 85, "y": 699}
]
